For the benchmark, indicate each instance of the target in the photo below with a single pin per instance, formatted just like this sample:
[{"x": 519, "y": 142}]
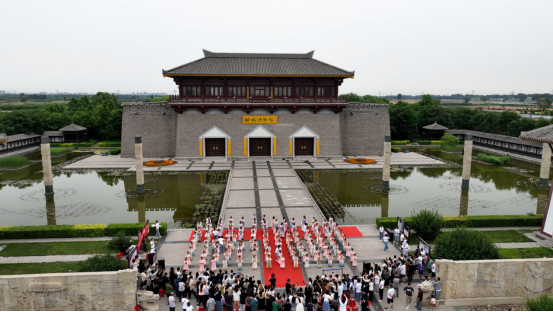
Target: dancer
[
  {"x": 254, "y": 261},
  {"x": 268, "y": 261},
  {"x": 296, "y": 262},
  {"x": 239, "y": 260}
]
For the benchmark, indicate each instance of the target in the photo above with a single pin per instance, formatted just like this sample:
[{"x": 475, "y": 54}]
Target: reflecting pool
[
  {"x": 494, "y": 190},
  {"x": 98, "y": 196}
]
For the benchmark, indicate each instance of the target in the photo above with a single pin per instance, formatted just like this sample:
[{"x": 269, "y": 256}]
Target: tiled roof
[
  {"x": 22, "y": 136},
  {"x": 434, "y": 126},
  {"x": 498, "y": 137},
  {"x": 52, "y": 133},
  {"x": 258, "y": 64},
  {"x": 543, "y": 135},
  {"x": 73, "y": 127}
]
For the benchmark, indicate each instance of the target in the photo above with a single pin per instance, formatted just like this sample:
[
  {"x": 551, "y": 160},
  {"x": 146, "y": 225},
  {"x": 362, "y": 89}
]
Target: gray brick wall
[
  {"x": 363, "y": 128},
  {"x": 155, "y": 122},
  {"x": 190, "y": 127},
  {"x": 358, "y": 131}
]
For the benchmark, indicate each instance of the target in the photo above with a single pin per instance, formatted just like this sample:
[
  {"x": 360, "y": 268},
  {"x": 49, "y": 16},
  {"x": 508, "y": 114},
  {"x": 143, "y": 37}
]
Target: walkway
[
  {"x": 218, "y": 163},
  {"x": 40, "y": 259},
  {"x": 22, "y": 151}
]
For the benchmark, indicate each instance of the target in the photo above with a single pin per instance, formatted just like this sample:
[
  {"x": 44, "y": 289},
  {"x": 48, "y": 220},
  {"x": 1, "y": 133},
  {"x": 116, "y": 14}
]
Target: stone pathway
[
  {"x": 19, "y": 151},
  {"x": 518, "y": 245},
  {"x": 54, "y": 240},
  {"x": 40, "y": 259}
]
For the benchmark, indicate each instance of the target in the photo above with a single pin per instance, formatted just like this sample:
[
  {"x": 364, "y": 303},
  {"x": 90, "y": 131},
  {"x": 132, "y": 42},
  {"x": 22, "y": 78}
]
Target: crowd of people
[
  {"x": 215, "y": 289},
  {"x": 326, "y": 242}
]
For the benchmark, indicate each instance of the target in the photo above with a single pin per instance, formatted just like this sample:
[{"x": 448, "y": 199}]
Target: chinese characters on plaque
[{"x": 259, "y": 119}]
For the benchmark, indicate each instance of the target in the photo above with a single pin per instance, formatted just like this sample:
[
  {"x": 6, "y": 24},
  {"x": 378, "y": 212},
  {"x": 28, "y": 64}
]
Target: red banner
[{"x": 143, "y": 233}]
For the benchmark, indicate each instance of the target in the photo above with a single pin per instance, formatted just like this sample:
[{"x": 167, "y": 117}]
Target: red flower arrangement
[
  {"x": 360, "y": 161},
  {"x": 158, "y": 163}
]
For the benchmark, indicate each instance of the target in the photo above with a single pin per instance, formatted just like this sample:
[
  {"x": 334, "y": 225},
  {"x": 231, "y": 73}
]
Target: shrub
[
  {"x": 13, "y": 161},
  {"x": 55, "y": 144},
  {"x": 427, "y": 223},
  {"x": 491, "y": 159},
  {"x": 65, "y": 145},
  {"x": 395, "y": 149},
  {"x": 449, "y": 139},
  {"x": 427, "y": 143},
  {"x": 119, "y": 240},
  {"x": 473, "y": 221},
  {"x": 109, "y": 144},
  {"x": 82, "y": 145},
  {"x": 52, "y": 231},
  {"x": 57, "y": 150},
  {"x": 132, "y": 228},
  {"x": 101, "y": 263},
  {"x": 465, "y": 244},
  {"x": 404, "y": 142},
  {"x": 451, "y": 148},
  {"x": 116, "y": 151},
  {"x": 542, "y": 303},
  {"x": 435, "y": 142}
]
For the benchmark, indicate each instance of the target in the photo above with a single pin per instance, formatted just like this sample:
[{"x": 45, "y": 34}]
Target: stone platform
[{"x": 217, "y": 163}]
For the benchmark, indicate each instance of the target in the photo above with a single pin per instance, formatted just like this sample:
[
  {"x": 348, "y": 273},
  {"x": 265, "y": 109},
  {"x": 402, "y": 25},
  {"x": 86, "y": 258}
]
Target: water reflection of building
[
  {"x": 542, "y": 202},
  {"x": 50, "y": 210},
  {"x": 180, "y": 194}
]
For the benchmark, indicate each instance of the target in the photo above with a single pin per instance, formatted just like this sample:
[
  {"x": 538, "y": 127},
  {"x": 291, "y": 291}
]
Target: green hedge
[
  {"x": 492, "y": 159},
  {"x": 132, "y": 228},
  {"x": 116, "y": 151},
  {"x": 109, "y": 144},
  {"x": 395, "y": 149},
  {"x": 52, "y": 231},
  {"x": 71, "y": 144},
  {"x": 83, "y": 144},
  {"x": 55, "y": 144},
  {"x": 404, "y": 142},
  {"x": 474, "y": 221}
]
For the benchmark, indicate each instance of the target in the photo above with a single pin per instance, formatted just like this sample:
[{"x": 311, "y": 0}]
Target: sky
[{"x": 408, "y": 47}]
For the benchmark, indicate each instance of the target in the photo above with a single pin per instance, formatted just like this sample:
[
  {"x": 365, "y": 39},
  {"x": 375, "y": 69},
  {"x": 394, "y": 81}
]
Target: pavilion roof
[
  {"x": 73, "y": 127},
  {"x": 434, "y": 126},
  {"x": 258, "y": 65},
  {"x": 542, "y": 135}
]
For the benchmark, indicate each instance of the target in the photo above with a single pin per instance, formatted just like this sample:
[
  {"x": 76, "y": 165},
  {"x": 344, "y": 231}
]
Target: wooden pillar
[
  {"x": 545, "y": 165},
  {"x": 467, "y": 159},
  {"x": 386, "y": 166},
  {"x": 139, "y": 166},
  {"x": 47, "y": 166}
]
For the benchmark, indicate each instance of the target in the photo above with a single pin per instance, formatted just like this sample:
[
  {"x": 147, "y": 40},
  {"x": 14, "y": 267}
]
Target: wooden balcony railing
[{"x": 186, "y": 99}]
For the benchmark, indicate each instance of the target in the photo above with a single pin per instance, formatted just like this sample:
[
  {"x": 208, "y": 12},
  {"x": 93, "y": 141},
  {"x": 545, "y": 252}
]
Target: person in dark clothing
[
  {"x": 228, "y": 301},
  {"x": 269, "y": 303},
  {"x": 365, "y": 305},
  {"x": 273, "y": 281},
  {"x": 288, "y": 287},
  {"x": 309, "y": 306},
  {"x": 287, "y": 306}
]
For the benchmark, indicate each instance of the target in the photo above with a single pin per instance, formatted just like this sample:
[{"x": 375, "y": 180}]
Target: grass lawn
[
  {"x": 38, "y": 268},
  {"x": 58, "y": 248},
  {"x": 507, "y": 236},
  {"x": 522, "y": 253},
  {"x": 504, "y": 236}
]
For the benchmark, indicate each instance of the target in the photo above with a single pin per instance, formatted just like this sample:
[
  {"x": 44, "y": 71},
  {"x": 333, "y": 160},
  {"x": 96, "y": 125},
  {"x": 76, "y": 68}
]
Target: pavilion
[{"x": 434, "y": 131}]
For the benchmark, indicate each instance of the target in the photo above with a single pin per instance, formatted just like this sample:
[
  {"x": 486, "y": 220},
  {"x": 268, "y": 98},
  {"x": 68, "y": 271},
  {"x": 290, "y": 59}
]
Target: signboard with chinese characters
[{"x": 259, "y": 119}]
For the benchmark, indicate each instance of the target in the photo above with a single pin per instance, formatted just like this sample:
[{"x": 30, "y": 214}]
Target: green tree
[
  {"x": 54, "y": 108},
  {"x": 102, "y": 263},
  {"x": 543, "y": 103},
  {"x": 403, "y": 120},
  {"x": 101, "y": 97},
  {"x": 505, "y": 119},
  {"x": 399, "y": 97},
  {"x": 427, "y": 100},
  {"x": 374, "y": 99},
  {"x": 542, "y": 122},
  {"x": 484, "y": 98},
  {"x": 466, "y": 99},
  {"x": 353, "y": 97}
]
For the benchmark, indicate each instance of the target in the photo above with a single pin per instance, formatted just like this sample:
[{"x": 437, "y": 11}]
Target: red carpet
[{"x": 295, "y": 275}]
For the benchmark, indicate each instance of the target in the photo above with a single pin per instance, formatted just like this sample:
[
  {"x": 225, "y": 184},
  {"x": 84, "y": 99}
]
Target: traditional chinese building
[{"x": 239, "y": 105}]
